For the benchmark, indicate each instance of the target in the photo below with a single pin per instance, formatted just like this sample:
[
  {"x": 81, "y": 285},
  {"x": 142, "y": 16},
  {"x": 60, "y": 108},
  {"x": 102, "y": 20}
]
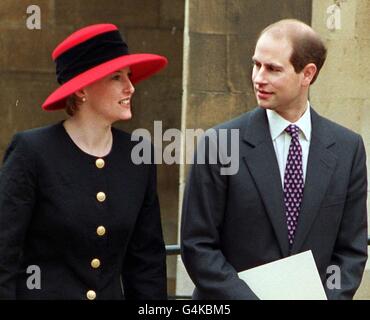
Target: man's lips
[{"x": 261, "y": 94}]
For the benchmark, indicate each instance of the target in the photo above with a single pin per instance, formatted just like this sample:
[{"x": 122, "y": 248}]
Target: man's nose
[{"x": 259, "y": 76}]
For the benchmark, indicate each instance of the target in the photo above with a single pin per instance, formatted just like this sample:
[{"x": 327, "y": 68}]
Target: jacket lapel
[
  {"x": 259, "y": 156},
  {"x": 320, "y": 167}
]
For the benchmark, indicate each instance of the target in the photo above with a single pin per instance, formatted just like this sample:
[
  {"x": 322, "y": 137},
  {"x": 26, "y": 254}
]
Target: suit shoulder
[{"x": 340, "y": 132}]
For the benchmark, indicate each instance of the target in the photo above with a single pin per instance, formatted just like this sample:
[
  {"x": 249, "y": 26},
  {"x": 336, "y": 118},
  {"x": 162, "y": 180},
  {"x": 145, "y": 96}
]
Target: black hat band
[{"x": 89, "y": 54}]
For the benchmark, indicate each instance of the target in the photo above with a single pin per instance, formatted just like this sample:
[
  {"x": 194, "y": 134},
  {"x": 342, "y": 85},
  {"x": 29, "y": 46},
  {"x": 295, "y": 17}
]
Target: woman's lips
[{"x": 125, "y": 102}]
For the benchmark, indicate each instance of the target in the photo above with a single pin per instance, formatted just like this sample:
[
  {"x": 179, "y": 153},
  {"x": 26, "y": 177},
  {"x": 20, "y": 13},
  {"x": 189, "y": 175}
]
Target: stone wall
[{"x": 342, "y": 89}]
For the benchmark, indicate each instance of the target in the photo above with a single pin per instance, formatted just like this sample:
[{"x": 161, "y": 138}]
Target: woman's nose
[{"x": 129, "y": 87}]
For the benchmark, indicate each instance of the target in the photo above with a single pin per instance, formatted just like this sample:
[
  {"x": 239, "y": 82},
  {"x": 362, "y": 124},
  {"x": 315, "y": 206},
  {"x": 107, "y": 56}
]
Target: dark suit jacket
[
  {"x": 235, "y": 222},
  {"x": 49, "y": 216}
]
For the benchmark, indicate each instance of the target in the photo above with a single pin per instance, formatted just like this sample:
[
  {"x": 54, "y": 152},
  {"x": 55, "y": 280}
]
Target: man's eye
[{"x": 273, "y": 69}]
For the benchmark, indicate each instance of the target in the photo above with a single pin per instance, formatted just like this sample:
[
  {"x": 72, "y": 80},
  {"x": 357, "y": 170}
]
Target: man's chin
[{"x": 265, "y": 105}]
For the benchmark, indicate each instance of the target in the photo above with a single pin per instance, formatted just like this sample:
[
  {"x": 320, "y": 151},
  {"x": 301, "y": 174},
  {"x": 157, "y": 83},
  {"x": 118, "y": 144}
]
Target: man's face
[{"x": 276, "y": 85}]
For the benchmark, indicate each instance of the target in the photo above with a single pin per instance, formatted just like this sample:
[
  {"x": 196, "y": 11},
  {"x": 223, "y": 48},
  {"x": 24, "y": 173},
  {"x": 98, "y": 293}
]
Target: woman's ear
[{"x": 80, "y": 93}]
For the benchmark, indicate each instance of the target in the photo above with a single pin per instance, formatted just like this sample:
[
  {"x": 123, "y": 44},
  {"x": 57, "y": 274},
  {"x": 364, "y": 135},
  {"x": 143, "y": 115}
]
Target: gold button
[
  {"x": 100, "y": 163},
  {"x": 100, "y": 231},
  {"x": 101, "y": 196},
  {"x": 95, "y": 263},
  {"x": 91, "y": 294}
]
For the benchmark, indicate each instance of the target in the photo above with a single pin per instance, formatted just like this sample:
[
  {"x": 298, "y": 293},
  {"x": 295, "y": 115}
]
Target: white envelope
[{"x": 292, "y": 278}]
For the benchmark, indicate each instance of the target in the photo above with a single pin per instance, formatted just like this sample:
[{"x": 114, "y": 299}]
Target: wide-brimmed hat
[{"x": 92, "y": 53}]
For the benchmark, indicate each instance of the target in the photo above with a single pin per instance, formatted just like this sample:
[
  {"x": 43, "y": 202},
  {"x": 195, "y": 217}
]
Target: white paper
[{"x": 292, "y": 278}]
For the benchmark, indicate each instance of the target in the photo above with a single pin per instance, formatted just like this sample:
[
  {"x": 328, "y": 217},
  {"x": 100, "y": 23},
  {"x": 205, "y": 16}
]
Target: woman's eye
[{"x": 116, "y": 77}]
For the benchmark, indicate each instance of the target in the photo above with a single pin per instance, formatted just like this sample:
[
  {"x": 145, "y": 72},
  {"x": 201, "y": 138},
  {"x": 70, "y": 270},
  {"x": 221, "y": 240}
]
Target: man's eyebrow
[{"x": 274, "y": 65}]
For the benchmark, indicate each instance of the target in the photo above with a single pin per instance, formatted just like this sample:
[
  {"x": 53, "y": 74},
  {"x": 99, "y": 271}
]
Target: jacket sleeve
[
  {"x": 204, "y": 206},
  {"x": 350, "y": 251},
  {"x": 144, "y": 269},
  {"x": 17, "y": 198}
]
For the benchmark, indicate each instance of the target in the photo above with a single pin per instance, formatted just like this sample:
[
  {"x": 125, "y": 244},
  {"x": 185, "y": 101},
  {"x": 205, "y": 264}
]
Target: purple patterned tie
[{"x": 293, "y": 182}]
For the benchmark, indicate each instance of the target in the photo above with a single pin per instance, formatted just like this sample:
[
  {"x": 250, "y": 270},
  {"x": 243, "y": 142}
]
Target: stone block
[
  {"x": 207, "y": 16},
  {"x": 345, "y": 111},
  {"x": 206, "y": 109},
  {"x": 363, "y": 74},
  {"x": 157, "y": 98},
  {"x": 172, "y": 14},
  {"x": 250, "y": 17},
  {"x": 362, "y": 19},
  {"x": 320, "y": 18},
  {"x": 242, "y": 102},
  {"x": 341, "y": 74},
  {"x": 66, "y": 13},
  {"x": 20, "y": 102},
  {"x": 13, "y": 14},
  {"x": 207, "y": 63},
  {"x": 29, "y": 50},
  {"x": 129, "y": 13},
  {"x": 240, "y": 50},
  {"x": 159, "y": 41}
]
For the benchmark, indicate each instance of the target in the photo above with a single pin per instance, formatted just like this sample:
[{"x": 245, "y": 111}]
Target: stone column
[
  {"x": 342, "y": 89},
  {"x": 219, "y": 40}
]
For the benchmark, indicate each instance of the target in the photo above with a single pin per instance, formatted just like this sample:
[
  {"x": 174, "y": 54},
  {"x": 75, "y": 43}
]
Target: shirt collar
[{"x": 278, "y": 124}]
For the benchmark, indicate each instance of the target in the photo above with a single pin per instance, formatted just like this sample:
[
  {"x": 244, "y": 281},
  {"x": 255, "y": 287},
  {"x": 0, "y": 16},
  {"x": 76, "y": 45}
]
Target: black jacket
[{"x": 50, "y": 214}]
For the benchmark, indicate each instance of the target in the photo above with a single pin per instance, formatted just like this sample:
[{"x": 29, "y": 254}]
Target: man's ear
[{"x": 308, "y": 72}]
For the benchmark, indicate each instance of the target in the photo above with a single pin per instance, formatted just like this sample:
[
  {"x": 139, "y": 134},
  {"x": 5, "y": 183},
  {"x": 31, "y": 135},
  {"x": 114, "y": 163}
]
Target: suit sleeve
[
  {"x": 350, "y": 252},
  {"x": 204, "y": 205},
  {"x": 17, "y": 198},
  {"x": 144, "y": 269}
]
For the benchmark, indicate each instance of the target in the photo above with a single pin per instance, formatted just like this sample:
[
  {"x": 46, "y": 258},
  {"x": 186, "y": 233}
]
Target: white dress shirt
[{"x": 281, "y": 139}]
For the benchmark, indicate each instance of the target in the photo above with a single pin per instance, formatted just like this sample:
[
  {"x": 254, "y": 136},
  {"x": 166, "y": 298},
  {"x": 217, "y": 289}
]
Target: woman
[{"x": 73, "y": 206}]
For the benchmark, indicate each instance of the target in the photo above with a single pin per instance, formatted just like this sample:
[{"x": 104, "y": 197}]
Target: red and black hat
[{"x": 92, "y": 53}]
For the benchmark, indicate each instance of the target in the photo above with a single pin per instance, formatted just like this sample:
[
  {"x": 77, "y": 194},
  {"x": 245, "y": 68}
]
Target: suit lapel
[
  {"x": 320, "y": 167},
  {"x": 259, "y": 155}
]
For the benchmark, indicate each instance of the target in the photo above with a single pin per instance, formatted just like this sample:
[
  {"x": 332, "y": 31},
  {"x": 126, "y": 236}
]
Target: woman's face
[{"x": 111, "y": 96}]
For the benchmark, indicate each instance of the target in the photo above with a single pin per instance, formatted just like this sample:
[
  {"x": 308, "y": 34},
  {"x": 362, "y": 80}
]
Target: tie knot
[{"x": 293, "y": 130}]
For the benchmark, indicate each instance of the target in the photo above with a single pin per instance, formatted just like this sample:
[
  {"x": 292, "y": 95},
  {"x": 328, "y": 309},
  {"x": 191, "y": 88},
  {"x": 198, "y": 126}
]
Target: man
[{"x": 301, "y": 183}]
